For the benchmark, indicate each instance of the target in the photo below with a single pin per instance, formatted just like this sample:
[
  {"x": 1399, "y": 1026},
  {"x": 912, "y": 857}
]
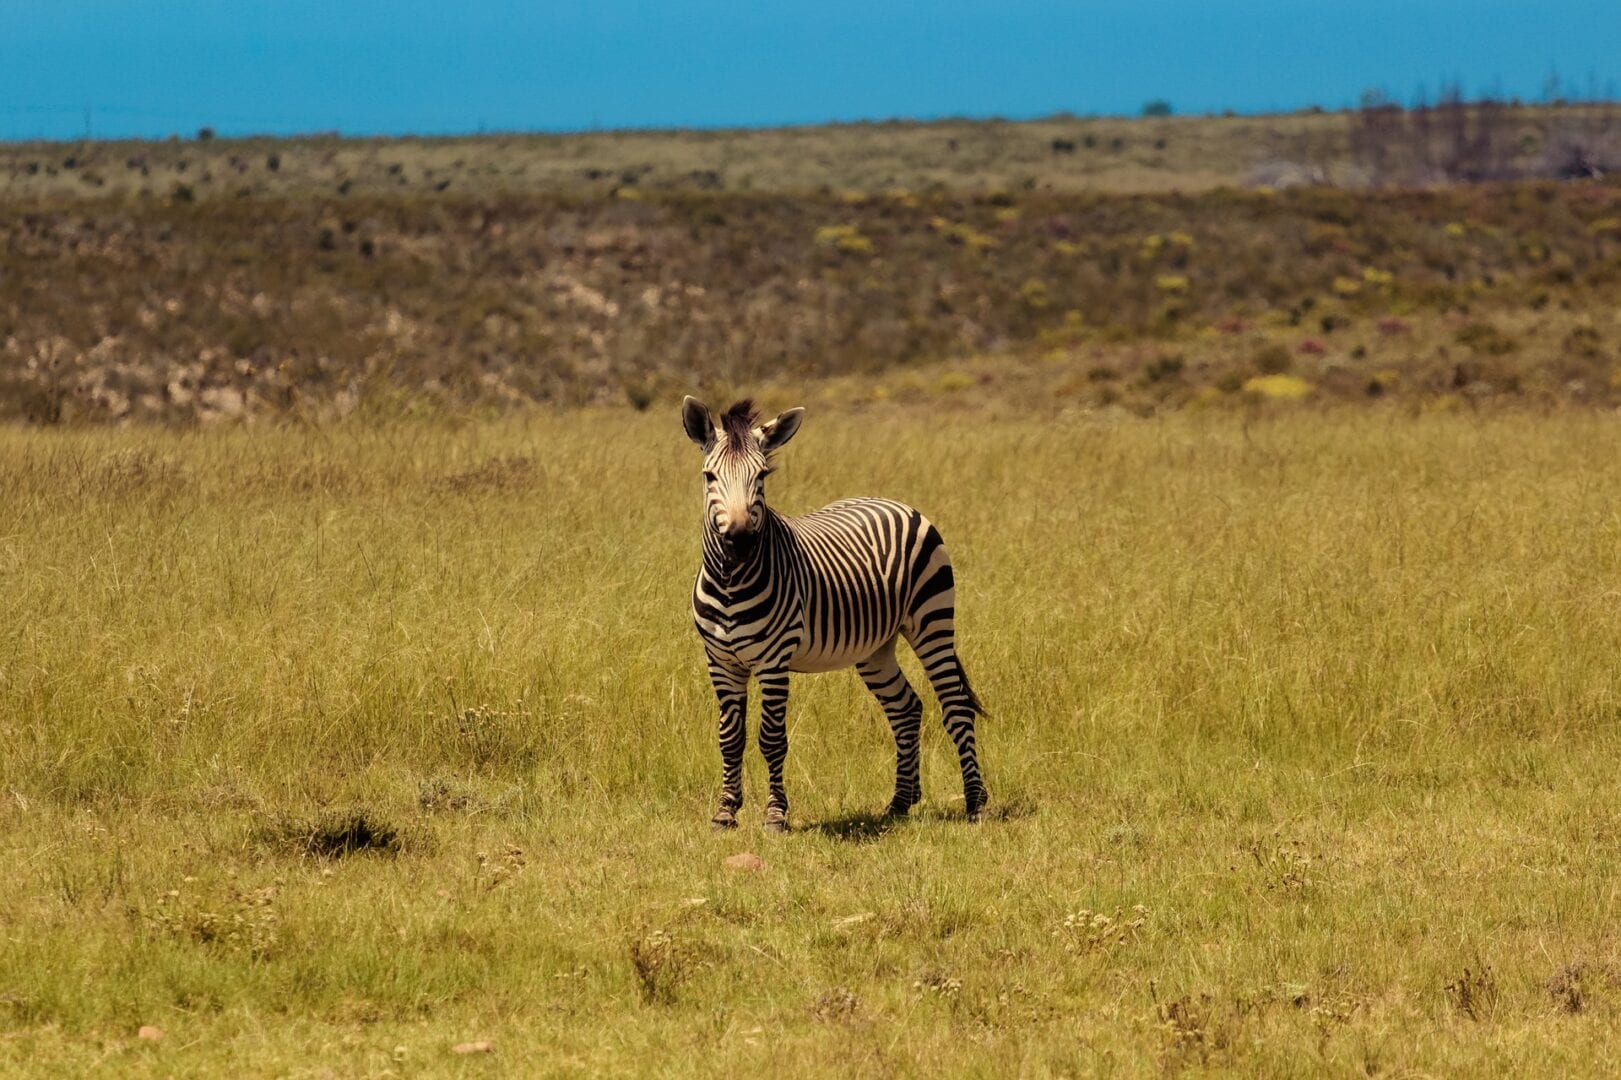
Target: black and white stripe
[{"x": 833, "y": 589}]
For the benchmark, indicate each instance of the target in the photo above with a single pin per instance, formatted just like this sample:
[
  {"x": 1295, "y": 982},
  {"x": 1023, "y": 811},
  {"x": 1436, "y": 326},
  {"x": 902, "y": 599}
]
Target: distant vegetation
[
  {"x": 1156, "y": 153},
  {"x": 1147, "y": 264},
  {"x": 171, "y": 309},
  {"x": 1464, "y": 141}
]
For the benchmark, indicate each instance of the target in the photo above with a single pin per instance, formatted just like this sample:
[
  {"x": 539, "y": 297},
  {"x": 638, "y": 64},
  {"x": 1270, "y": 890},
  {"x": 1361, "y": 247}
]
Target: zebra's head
[{"x": 737, "y": 459}]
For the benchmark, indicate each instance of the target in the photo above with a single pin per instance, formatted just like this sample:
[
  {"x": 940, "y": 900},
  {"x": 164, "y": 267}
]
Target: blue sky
[{"x": 152, "y": 67}]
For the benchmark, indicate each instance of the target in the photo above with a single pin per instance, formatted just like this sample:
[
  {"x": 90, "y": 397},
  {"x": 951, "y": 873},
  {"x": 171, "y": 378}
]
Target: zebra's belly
[{"x": 810, "y": 658}]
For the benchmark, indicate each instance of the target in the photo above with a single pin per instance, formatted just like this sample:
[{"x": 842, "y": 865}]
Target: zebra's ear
[
  {"x": 699, "y": 422},
  {"x": 774, "y": 434}
]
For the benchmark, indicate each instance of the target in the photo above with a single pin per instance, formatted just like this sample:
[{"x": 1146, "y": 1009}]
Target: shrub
[
  {"x": 845, "y": 238},
  {"x": 1486, "y": 339},
  {"x": 1278, "y": 387},
  {"x": 1164, "y": 367},
  {"x": 963, "y": 234},
  {"x": 1272, "y": 359}
]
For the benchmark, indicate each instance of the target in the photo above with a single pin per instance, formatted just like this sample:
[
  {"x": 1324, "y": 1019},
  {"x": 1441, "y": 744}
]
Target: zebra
[{"x": 833, "y": 589}]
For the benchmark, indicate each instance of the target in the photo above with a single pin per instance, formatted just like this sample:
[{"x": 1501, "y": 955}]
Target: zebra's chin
[{"x": 740, "y": 548}]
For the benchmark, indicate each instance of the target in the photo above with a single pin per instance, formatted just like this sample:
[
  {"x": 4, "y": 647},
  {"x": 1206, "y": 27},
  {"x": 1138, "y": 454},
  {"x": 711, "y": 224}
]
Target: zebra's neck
[{"x": 731, "y": 563}]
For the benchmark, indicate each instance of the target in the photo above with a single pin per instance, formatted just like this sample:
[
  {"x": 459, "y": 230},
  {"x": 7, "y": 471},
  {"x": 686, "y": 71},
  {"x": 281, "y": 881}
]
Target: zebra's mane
[{"x": 738, "y": 420}]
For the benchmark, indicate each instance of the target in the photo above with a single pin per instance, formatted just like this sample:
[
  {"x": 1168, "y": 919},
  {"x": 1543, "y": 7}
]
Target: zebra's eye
[{"x": 709, "y": 477}]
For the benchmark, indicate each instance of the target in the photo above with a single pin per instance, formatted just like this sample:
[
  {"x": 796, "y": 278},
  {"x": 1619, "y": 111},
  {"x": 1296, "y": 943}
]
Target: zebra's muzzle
[
  {"x": 739, "y": 543},
  {"x": 732, "y": 526}
]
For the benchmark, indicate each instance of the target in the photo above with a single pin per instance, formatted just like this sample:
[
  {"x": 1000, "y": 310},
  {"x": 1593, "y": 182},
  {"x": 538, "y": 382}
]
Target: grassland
[{"x": 1301, "y": 754}]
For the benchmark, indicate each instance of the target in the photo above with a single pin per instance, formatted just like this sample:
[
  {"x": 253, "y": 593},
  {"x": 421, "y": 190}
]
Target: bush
[
  {"x": 1273, "y": 359},
  {"x": 1278, "y": 387}
]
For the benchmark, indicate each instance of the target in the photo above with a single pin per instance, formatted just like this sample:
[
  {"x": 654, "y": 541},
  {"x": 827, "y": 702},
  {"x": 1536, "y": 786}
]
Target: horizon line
[{"x": 213, "y": 133}]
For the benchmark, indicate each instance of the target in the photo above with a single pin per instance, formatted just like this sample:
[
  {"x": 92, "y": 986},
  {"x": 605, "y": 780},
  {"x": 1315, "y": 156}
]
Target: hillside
[
  {"x": 218, "y": 279},
  {"x": 155, "y": 309}
]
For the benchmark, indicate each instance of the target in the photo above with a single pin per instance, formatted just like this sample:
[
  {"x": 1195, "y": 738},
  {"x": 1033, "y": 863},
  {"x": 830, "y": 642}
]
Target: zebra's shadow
[
  {"x": 857, "y": 827},
  {"x": 865, "y": 827}
]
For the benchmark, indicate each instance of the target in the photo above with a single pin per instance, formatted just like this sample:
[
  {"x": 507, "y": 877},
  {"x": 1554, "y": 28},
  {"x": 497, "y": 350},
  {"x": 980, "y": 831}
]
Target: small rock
[
  {"x": 745, "y": 860},
  {"x": 150, "y": 1033},
  {"x": 479, "y": 1046}
]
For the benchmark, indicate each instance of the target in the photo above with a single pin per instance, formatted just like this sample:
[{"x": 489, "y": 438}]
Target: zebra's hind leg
[
  {"x": 958, "y": 708},
  {"x": 774, "y": 744},
  {"x": 930, "y": 629},
  {"x": 904, "y": 710},
  {"x": 732, "y": 691}
]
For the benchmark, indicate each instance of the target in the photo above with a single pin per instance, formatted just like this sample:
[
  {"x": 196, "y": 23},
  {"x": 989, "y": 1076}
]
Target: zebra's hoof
[
  {"x": 776, "y": 826},
  {"x": 776, "y": 820},
  {"x": 898, "y": 810},
  {"x": 724, "y": 819},
  {"x": 976, "y": 806}
]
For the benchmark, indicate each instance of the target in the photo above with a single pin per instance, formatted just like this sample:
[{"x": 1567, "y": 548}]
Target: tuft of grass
[
  {"x": 1474, "y": 993},
  {"x": 333, "y": 835},
  {"x": 659, "y": 963}
]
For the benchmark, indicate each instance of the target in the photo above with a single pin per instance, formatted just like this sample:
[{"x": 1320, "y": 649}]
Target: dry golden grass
[{"x": 1301, "y": 752}]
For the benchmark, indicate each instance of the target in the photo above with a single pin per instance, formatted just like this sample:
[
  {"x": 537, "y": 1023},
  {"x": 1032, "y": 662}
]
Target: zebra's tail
[{"x": 968, "y": 689}]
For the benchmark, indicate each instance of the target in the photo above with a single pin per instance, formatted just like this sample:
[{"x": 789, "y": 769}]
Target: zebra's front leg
[
  {"x": 732, "y": 691},
  {"x": 774, "y": 744}
]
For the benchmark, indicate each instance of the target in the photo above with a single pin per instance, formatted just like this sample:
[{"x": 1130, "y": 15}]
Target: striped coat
[{"x": 836, "y": 588}]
